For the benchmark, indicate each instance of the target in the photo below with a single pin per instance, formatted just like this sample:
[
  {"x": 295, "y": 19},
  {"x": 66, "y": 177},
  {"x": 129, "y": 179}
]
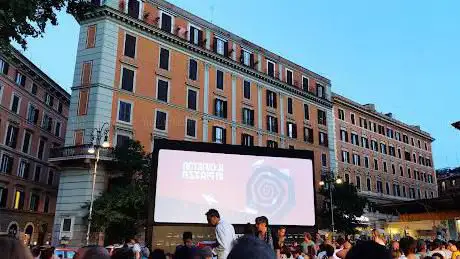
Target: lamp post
[
  {"x": 331, "y": 181},
  {"x": 97, "y": 135}
]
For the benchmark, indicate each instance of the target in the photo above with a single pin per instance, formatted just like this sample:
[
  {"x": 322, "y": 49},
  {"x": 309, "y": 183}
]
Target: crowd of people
[{"x": 257, "y": 242}]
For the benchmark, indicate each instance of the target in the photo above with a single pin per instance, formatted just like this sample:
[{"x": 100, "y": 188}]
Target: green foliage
[
  {"x": 120, "y": 211},
  {"x": 348, "y": 206},
  {"x": 20, "y": 19}
]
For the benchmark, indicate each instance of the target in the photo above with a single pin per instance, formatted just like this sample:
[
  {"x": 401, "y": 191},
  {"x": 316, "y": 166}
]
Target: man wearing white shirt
[{"x": 225, "y": 234}]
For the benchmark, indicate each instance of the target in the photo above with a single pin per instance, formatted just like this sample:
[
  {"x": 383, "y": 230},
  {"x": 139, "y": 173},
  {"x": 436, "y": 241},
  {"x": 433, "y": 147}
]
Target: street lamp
[
  {"x": 98, "y": 135},
  {"x": 331, "y": 181},
  {"x": 456, "y": 125}
]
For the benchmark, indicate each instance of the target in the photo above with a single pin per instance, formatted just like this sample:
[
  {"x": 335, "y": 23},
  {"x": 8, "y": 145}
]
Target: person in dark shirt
[
  {"x": 263, "y": 231},
  {"x": 188, "y": 250},
  {"x": 368, "y": 249},
  {"x": 278, "y": 241}
]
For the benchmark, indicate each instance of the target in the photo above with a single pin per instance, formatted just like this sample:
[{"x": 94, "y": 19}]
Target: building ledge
[{"x": 79, "y": 152}]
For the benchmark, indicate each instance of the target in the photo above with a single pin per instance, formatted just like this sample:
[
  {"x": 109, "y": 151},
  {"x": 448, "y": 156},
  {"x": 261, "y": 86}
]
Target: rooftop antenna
[{"x": 211, "y": 8}]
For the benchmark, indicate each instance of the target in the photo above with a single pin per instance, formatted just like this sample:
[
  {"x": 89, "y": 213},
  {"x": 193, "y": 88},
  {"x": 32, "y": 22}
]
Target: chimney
[
  {"x": 370, "y": 107},
  {"x": 390, "y": 115},
  {"x": 417, "y": 127}
]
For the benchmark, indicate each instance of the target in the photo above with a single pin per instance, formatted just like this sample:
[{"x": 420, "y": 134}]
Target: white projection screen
[{"x": 240, "y": 187}]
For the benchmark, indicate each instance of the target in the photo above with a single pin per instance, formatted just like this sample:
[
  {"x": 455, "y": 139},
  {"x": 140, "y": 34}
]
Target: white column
[
  {"x": 208, "y": 39},
  {"x": 234, "y": 51},
  {"x": 281, "y": 72},
  {"x": 331, "y": 138},
  {"x": 259, "y": 65}
]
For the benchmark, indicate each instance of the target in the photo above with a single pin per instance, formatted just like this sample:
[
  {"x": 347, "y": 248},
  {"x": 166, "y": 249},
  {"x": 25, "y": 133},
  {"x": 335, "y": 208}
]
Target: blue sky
[{"x": 402, "y": 55}]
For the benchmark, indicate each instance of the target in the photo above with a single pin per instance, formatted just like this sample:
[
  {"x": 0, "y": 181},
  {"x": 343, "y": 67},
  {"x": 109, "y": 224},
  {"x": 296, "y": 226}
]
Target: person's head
[
  {"x": 12, "y": 248},
  {"x": 307, "y": 236},
  {"x": 248, "y": 229},
  {"x": 408, "y": 245},
  {"x": 329, "y": 250},
  {"x": 123, "y": 253},
  {"x": 296, "y": 252},
  {"x": 157, "y": 254},
  {"x": 213, "y": 217},
  {"x": 281, "y": 232},
  {"x": 187, "y": 237},
  {"x": 395, "y": 254},
  {"x": 250, "y": 247},
  {"x": 129, "y": 241},
  {"x": 340, "y": 241},
  {"x": 261, "y": 223},
  {"x": 368, "y": 249},
  {"x": 421, "y": 246},
  {"x": 436, "y": 244},
  {"x": 437, "y": 256},
  {"x": 92, "y": 252},
  {"x": 378, "y": 235},
  {"x": 452, "y": 246},
  {"x": 47, "y": 253},
  {"x": 35, "y": 251},
  {"x": 394, "y": 245}
]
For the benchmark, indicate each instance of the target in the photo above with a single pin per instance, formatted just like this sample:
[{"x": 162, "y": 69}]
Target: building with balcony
[
  {"x": 33, "y": 120},
  {"x": 384, "y": 158},
  {"x": 448, "y": 181},
  {"x": 152, "y": 70}
]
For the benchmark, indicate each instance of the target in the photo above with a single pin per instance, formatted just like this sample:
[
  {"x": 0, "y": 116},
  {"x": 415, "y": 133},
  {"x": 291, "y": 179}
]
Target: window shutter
[
  {"x": 242, "y": 56},
  {"x": 287, "y": 128},
  {"x": 14, "y": 140},
  {"x": 26, "y": 171},
  {"x": 4, "y": 197},
  {"x": 23, "y": 80},
  {"x": 242, "y": 139},
  {"x": 213, "y": 134},
  {"x": 192, "y": 34},
  {"x": 91, "y": 37},
  {"x": 86, "y": 73},
  {"x": 252, "y": 117},
  {"x": 6, "y": 67},
  {"x": 274, "y": 101},
  {"x": 9, "y": 167},
  {"x": 268, "y": 122},
  {"x": 267, "y": 96},
  {"x": 252, "y": 60},
  {"x": 294, "y": 134},
  {"x": 200, "y": 38},
  {"x": 224, "y": 136},
  {"x": 252, "y": 140},
  {"x": 276, "y": 125},
  {"x": 225, "y": 109},
  {"x": 226, "y": 49},
  {"x": 214, "y": 45},
  {"x": 215, "y": 107}
]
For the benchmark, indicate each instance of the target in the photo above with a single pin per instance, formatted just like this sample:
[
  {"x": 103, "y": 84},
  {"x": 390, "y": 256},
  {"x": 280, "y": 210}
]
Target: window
[
  {"x": 352, "y": 118},
  {"x": 305, "y": 83},
  {"x": 405, "y": 139},
  {"x": 387, "y": 188},
  {"x": 134, "y": 8},
  {"x": 122, "y": 140},
  {"x": 86, "y": 73},
  {"x": 385, "y": 168},
  {"x": 320, "y": 91},
  {"x": 391, "y": 151},
  {"x": 19, "y": 200},
  {"x": 57, "y": 130},
  {"x": 375, "y": 146},
  {"x": 196, "y": 35},
  {"x": 247, "y": 89},
  {"x": 289, "y": 105},
  {"x": 164, "y": 59},
  {"x": 364, "y": 142},
  {"x": 393, "y": 169},
  {"x": 366, "y": 162},
  {"x": 356, "y": 160},
  {"x": 47, "y": 122},
  {"x": 124, "y": 111},
  {"x": 219, "y": 135},
  {"x": 220, "y": 108},
  {"x": 322, "y": 117},
  {"x": 383, "y": 148},
  {"x": 127, "y": 79},
  {"x": 191, "y": 128},
  {"x": 272, "y": 124},
  {"x": 166, "y": 22},
  {"x": 347, "y": 178},
  {"x": 3, "y": 195},
  {"x": 409, "y": 175},
  {"x": 248, "y": 116},
  {"x": 341, "y": 114},
  {"x": 26, "y": 142},
  {"x": 34, "y": 89},
  {"x": 414, "y": 158},
  {"x": 271, "y": 99},
  {"x": 79, "y": 138},
  {"x": 407, "y": 156},
  {"x": 130, "y": 46},
  {"x": 11, "y": 136},
  {"x": 221, "y": 46},
  {"x": 426, "y": 146},
  {"x": 308, "y": 135},
  {"x": 343, "y": 135},
  {"x": 428, "y": 162},
  {"x": 379, "y": 187},
  {"x": 161, "y": 121},
  {"x": 291, "y": 129},
  {"x": 401, "y": 171},
  {"x": 4, "y": 67},
  {"x": 83, "y": 102},
  {"x": 37, "y": 173},
  {"x": 192, "y": 70},
  {"x": 66, "y": 224},
  {"x": 399, "y": 153},
  {"x": 389, "y": 133},
  {"x": 270, "y": 68},
  {"x": 162, "y": 90},
  {"x": 376, "y": 164},
  {"x": 247, "y": 58},
  {"x": 60, "y": 107},
  {"x": 34, "y": 202},
  {"x": 247, "y": 140},
  {"x": 41, "y": 148},
  {"x": 381, "y": 129},
  {"x": 355, "y": 139},
  {"x": 220, "y": 79},
  {"x": 46, "y": 206},
  {"x": 289, "y": 77},
  {"x": 358, "y": 182},
  {"x": 272, "y": 144},
  {"x": 324, "y": 160},
  {"x": 91, "y": 37},
  {"x": 50, "y": 178},
  {"x": 306, "y": 112},
  {"x": 398, "y": 136},
  {"x": 363, "y": 123},
  {"x": 20, "y": 79},
  {"x": 15, "y": 103},
  {"x": 404, "y": 191},
  {"x": 23, "y": 169},
  {"x": 7, "y": 164},
  {"x": 192, "y": 99},
  {"x": 323, "y": 141},
  {"x": 412, "y": 141},
  {"x": 419, "y": 144},
  {"x": 368, "y": 184}
]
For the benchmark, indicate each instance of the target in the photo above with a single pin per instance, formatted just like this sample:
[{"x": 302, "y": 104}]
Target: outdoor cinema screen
[{"x": 240, "y": 187}]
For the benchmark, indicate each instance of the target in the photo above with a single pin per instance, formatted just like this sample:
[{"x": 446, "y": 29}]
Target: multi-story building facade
[
  {"x": 386, "y": 159},
  {"x": 152, "y": 70},
  {"x": 33, "y": 119},
  {"x": 448, "y": 181}
]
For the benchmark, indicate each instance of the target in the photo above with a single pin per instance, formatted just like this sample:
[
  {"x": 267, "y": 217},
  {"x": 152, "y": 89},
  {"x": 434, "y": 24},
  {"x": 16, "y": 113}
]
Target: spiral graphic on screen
[{"x": 270, "y": 192}]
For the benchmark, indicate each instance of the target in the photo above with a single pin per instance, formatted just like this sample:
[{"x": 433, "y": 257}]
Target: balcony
[{"x": 79, "y": 152}]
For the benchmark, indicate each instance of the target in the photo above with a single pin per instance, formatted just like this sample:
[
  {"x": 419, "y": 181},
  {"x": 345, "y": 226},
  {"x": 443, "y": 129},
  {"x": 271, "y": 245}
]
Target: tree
[
  {"x": 348, "y": 206},
  {"x": 120, "y": 211},
  {"x": 20, "y": 19}
]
